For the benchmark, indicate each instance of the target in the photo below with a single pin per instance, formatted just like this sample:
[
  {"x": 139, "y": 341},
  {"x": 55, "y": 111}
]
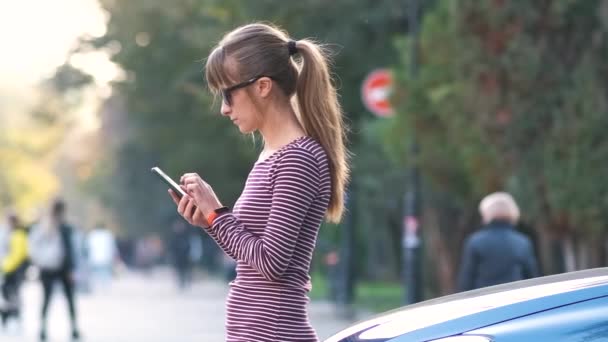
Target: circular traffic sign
[{"x": 376, "y": 91}]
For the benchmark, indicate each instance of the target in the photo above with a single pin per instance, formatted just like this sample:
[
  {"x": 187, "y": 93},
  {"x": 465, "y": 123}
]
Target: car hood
[{"x": 469, "y": 310}]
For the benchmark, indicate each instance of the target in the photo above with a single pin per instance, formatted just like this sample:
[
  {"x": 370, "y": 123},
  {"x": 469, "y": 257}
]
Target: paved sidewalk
[{"x": 148, "y": 309}]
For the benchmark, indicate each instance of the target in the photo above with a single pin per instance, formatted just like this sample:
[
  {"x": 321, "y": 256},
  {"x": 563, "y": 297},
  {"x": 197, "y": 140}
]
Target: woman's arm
[
  {"x": 223, "y": 247},
  {"x": 295, "y": 185}
]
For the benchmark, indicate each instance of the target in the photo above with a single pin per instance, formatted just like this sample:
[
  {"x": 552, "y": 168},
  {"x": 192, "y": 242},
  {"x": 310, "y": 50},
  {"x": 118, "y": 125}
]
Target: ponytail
[{"x": 320, "y": 114}]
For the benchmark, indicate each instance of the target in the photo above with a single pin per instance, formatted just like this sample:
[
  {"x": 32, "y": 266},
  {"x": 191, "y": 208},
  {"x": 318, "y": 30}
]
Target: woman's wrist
[{"x": 215, "y": 213}]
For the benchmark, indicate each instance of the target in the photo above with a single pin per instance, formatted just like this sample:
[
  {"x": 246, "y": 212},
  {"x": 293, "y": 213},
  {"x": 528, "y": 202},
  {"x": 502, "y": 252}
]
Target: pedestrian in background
[
  {"x": 52, "y": 251},
  {"x": 497, "y": 253},
  {"x": 4, "y": 238},
  {"x": 12, "y": 269},
  {"x": 180, "y": 248},
  {"x": 298, "y": 179},
  {"x": 102, "y": 255}
]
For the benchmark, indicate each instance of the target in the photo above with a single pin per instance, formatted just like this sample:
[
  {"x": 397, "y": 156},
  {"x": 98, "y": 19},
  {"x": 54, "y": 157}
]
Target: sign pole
[{"x": 410, "y": 238}]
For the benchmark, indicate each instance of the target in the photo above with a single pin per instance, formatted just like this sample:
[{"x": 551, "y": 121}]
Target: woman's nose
[{"x": 225, "y": 110}]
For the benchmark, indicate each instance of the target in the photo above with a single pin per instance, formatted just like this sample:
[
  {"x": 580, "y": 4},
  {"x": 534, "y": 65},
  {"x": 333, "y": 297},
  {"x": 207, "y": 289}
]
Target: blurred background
[{"x": 447, "y": 101}]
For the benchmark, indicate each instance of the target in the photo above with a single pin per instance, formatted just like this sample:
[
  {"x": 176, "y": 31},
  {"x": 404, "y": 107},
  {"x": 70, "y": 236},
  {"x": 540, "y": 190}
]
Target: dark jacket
[
  {"x": 66, "y": 232},
  {"x": 494, "y": 255},
  {"x": 179, "y": 248}
]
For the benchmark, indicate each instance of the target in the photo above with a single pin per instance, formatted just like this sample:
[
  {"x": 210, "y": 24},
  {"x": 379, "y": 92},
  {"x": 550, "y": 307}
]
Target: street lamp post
[
  {"x": 410, "y": 239},
  {"x": 347, "y": 278}
]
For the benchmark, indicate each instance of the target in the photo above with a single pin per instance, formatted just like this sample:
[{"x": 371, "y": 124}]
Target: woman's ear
[{"x": 264, "y": 86}]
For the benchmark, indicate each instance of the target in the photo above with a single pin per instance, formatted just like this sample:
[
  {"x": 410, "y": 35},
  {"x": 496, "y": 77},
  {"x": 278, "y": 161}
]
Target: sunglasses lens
[{"x": 227, "y": 98}]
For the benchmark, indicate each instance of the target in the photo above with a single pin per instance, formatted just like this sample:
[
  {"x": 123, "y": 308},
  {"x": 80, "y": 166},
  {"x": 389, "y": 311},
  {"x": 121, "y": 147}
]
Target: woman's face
[
  {"x": 245, "y": 102},
  {"x": 237, "y": 105}
]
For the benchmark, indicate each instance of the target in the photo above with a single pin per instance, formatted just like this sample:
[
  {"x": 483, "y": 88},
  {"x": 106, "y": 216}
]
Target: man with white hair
[{"x": 497, "y": 253}]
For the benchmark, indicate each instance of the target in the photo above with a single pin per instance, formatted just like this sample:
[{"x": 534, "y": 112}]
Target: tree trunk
[
  {"x": 583, "y": 251},
  {"x": 547, "y": 263},
  {"x": 439, "y": 253},
  {"x": 604, "y": 251},
  {"x": 568, "y": 254},
  {"x": 594, "y": 245}
]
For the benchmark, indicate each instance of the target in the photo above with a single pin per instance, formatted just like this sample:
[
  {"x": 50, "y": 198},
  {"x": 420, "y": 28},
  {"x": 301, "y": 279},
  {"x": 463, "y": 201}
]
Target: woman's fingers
[
  {"x": 186, "y": 207},
  {"x": 183, "y": 188},
  {"x": 191, "y": 176},
  {"x": 192, "y": 181},
  {"x": 191, "y": 189},
  {"x": 189, "y": 211},
  {"x": 174, "y": 197},
  {"x": 181, "y": 207},
  {"x": 199, "y": 218}
]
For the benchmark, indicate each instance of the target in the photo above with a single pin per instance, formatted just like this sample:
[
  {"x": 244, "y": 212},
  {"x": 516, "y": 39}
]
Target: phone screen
[{"x": 174, "y": 186}]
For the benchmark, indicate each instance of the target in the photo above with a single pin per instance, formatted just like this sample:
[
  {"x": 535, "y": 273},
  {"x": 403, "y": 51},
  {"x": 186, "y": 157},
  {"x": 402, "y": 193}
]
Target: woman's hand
[
  {"x": 187, "y": 209},
  {"x": 202, "y": 193},
  {"x": 199, "y": 202}
]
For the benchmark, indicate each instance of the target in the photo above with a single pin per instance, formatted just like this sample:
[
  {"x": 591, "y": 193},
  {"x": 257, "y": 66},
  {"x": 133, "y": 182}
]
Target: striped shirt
[{"x": 271, "y": 233}]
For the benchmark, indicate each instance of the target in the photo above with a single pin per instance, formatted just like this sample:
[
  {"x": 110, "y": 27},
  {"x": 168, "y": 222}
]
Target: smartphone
[{"x": 170, "y": 182}]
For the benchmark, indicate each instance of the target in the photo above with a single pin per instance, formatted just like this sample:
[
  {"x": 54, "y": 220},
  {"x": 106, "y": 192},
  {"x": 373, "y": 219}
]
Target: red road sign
[{"x": 376, "y": 91}]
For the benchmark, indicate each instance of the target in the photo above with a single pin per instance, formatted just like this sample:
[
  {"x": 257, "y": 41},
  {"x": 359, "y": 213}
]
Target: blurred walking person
[
  {"x": 52, "y": 251},
  {"x": 4, "y": 239},
  {"x": 102, "y": 253},
  {"x": 497, "y": 253},
  {"x": 13, "y": 265},
  {"x": 82, "y": 271},
  {"x": 180, "y": 249},
  {"x": 4, "y": 244}
]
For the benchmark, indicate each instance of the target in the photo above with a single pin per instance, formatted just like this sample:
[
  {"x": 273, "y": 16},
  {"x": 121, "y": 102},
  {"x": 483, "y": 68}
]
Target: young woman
[{"x": 298, "y": 179}]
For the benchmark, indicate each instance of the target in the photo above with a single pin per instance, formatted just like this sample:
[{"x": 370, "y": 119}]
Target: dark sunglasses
[{"x": 227, "y": 93}]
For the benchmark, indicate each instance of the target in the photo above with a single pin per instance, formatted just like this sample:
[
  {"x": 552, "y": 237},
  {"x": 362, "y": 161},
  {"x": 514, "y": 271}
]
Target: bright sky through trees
[{"x": 36, "y": 35}]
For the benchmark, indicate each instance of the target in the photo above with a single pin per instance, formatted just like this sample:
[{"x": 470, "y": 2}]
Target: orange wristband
[
  {"x": 214, "y": 214},
  {"x": 211, "y": 217}
]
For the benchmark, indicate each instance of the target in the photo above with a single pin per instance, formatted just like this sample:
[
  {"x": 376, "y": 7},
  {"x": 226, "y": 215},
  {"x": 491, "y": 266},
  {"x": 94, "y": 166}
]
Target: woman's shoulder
[
  {"x": 305, "y": 149},
  {"x": 302, "y": 157}
]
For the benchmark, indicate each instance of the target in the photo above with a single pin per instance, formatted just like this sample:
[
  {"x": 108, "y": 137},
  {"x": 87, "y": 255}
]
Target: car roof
[{"x": 477, "y": 308}]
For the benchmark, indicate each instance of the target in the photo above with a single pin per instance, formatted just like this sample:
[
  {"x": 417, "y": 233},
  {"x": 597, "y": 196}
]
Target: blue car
[{"x": 566, "y": 307}]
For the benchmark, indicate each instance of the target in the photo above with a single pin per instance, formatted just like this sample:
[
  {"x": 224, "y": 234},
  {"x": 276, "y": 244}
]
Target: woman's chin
[{"x": 246, "y": 130}]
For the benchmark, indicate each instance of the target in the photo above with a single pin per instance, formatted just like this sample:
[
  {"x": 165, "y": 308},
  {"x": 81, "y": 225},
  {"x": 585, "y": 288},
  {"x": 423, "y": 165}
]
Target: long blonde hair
[{"x": 262, "y": 50}]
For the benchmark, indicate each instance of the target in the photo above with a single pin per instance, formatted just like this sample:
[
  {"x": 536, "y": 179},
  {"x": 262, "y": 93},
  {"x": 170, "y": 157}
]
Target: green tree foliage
[
  {"x": 28, "y": 150},
  {"x": 171, "y": 120},
  {"x": 510, "y": 95}
]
